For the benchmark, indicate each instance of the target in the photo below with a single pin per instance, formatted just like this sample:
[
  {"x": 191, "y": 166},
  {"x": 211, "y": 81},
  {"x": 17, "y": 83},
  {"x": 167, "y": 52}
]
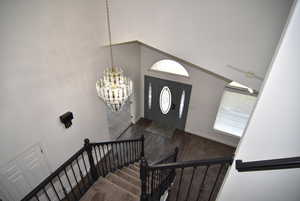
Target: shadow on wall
[{"x": 118, "y": 121}]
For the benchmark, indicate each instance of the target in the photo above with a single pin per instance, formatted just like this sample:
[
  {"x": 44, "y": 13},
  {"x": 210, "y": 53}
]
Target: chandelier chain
[{"x": 109, "y": 35}]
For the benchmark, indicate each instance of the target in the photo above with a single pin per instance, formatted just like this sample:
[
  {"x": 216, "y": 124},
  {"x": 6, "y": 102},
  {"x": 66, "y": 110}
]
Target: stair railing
[
  {"x": 109, "y": 156},
  {"x": 157, "y": 178},
  {"x": 74, "y": 177},
  {"x": 155, "y": 182},
  {"x": 263, "y": 165}
]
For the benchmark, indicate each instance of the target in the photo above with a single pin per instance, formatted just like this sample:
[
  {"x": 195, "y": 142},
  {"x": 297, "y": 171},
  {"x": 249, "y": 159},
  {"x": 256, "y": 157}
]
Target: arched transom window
[{"x": 170, "y": 66}]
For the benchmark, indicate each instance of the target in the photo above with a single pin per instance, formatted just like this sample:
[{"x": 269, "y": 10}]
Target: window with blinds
[{"x": 234, "y": 111}]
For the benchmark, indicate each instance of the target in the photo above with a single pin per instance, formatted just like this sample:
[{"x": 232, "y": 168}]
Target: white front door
[{"x": 22, "y": 174}]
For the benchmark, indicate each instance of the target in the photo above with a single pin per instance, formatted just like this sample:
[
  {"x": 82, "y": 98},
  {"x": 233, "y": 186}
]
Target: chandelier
[{"x": 113, "y": 88}]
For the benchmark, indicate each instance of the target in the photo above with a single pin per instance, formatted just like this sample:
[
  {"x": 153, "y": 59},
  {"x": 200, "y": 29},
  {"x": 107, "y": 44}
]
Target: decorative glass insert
[
  {"x": 182, "y": 99},
  {"x": 165, "y": 100},
  {"x": 149, "y": 96}
]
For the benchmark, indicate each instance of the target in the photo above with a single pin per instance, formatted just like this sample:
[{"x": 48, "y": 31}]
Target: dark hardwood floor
[{"x": 191, "y": 147}]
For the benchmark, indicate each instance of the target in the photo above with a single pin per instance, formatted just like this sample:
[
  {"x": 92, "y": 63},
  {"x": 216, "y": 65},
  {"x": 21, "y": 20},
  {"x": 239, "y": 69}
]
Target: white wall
[
  {"x": 50, "y": 58},
  {"x": 207, "y": 91},
  {"x": 210, "y": 34},
  {"x": 273, "y": 130},
  {"x": 128, "y": 57}
]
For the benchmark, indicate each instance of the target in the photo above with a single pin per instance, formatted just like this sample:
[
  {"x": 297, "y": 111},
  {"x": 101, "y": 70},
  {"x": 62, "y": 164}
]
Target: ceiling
[{"x": 235, "y": 39}]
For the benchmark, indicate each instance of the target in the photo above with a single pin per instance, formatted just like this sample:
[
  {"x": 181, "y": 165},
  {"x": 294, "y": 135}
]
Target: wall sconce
[{"x": 66, "y": 119}]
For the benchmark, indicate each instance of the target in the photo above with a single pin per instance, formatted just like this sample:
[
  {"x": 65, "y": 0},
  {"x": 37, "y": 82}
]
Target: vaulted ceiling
[{"x": 235, "y": 39}]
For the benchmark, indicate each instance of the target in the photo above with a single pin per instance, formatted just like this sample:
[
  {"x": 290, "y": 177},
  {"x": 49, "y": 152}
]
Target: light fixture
[{"x": 113, "y": 88}]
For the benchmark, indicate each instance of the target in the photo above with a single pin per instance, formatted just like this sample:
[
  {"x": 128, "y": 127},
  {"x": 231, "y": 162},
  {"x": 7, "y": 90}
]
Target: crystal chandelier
[{"x": 113, "y": 88}]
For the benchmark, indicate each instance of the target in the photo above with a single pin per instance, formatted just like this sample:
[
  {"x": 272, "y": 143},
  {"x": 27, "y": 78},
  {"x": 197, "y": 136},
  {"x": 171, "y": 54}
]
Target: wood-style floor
[{"x": 191, "y": 147}]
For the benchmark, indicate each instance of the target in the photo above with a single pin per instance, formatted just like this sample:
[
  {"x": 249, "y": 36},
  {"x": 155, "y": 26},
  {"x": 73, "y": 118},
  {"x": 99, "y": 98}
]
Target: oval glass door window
[
  {"x": 165, "y": 100},
  {"x": 181, "y": 104},
  {"x": 149, "y": 96}
]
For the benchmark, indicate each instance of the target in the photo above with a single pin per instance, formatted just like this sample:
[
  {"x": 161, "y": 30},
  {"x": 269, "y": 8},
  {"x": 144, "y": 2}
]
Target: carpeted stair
[{"x": 121, "y": 185}]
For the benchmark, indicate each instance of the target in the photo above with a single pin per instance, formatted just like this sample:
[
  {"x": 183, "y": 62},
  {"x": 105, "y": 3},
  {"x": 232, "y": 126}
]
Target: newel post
[
  {"x": 143, "y": 175},
  {"x": 143, "y": 146},
  {"x": 88, "y": 149}
]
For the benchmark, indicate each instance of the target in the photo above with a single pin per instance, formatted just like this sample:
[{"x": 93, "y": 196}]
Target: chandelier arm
[{"x": 109, "y": 36}]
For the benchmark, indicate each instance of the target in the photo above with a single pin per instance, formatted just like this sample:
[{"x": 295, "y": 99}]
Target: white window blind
[{"x": 234, "y": 112}]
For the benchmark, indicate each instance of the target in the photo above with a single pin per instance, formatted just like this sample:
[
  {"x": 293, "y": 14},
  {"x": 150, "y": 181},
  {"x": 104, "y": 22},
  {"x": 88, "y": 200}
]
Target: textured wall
[{"x": 50, "y": 58}]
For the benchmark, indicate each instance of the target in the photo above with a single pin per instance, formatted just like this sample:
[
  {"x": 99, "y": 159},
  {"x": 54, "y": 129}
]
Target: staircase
[
  {"x": 121, "y": 185},
  {"x": 119, "y": 171}
]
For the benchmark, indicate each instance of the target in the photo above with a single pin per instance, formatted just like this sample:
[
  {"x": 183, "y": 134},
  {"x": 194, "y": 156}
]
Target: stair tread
[
  {"x": 123, "y": 183},
  {"x": 134, "y": 180},
  {"x": 105, "y": 190},
  {"x": 131, "y": 172},
  {"x": 133, "y": 167}
]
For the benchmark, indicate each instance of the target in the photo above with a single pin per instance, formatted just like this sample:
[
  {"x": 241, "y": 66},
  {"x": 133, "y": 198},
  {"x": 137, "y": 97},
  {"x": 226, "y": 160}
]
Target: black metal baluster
[
  {"x": 113, "y": 156},
  {"x": 148, "y": 187},
  {"x": 37, "y": 198},
  {"x": 152, "y": 182},
  {"x": 179, "y": 186},
  {"x": 103, "y": 158},
  {"x": 138, "y": 150},
  {"x": 132, "y": 152},
  {"x": 100, "y": 164},
  {"x": 125, "y": 153},
  {"x": 107, "y": 154},
  {"x": 77, "y": 185},
  {"x": 135, "y": 151},
  {"x": 109, "y": 157},
  {"x": 128, "y": 151},
  {"x": 190, "y": 185},
  {"x": 118, "y": 155},
  {"x": 69, "y": 182},
  {"x": 62, "y": 186},
  {"x": 156, "y": 180},
  {"x": 81, "y": 175},
  {"x": 46, "y": 194},
  {"x": 202, "y": 183},
  {"x": 86, "y": 171},
  {"x": 97, "y": 160},
  {"x": 55, "y": 190},
  {"x": 214, "y": 186},
  {"x": 122, "y": 154},
  {"x": 142, "y": 146}
]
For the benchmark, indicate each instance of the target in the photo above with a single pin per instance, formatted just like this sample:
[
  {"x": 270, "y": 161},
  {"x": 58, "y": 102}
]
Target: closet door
[{"x": 22, "y": 174}]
